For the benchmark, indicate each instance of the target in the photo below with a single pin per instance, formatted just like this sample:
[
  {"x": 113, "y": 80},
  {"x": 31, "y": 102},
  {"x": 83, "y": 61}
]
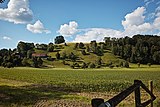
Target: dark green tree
[{"x": 59, "y": 39}]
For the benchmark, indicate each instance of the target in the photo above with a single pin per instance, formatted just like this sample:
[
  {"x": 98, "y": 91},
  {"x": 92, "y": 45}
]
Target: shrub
[
  {"x": 111, "y": 66},
  {"x": 126, "y": 64},
  {"x": 138, "y": 64},
  {"x": 84, "y": 65},
  {"x": 58, "y": 55},
  {"x": 83, "y": 52},
  {"x": 149, "y": 64},
  {"x": 92, "y": 65},
  {"x": 81, "y": 45},
  {"x": 121, "y": 64},
  {"x": 75, "y": 65},
  {"x": 25, "y": 62},
  {"x": 9, "y": 65}
]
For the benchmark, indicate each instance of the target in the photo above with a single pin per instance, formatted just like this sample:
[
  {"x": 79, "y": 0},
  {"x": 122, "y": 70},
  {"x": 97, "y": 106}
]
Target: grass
[{"x": 26, "y": 86}]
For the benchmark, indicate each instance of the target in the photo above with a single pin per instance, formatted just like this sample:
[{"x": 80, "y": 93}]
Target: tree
[
  {"x": 72, "y": 56},
  {"x": 81, "y": 45},
  {"x": 84, "y": 65},
  {"x": 34, "y": 62},
  {"x": 99, "y": 61},
  {"x": 126, "y": 64},
  {"x": 58, "y": 56},
  {"x": 23, "y": 47},
  {"x": 76, "y": 45},
  {"x": 93, "y": 46},
  {"x": 40, "y": 62},
  {"x": 29, "y": 53},
  {"x": 25, "y": 62},
  {"x": 59, "y": 39},
  {"x": 1, "y": 1},
  {"x": 92, "y": 65},
  {"x": 139, "y": 64},
  {"x": 149, "y": 64},
  {"x": 50, "y": 47},
  {"x": 64, "y": 55},
  {"x": 83, "y": 52}
]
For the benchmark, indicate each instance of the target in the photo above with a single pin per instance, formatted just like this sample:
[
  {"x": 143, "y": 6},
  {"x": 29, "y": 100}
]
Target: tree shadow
[{"x": 29, "y": 95}]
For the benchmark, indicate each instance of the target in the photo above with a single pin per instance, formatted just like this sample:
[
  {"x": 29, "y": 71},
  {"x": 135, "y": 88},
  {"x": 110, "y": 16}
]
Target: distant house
[{"x": 41, "y": 55}]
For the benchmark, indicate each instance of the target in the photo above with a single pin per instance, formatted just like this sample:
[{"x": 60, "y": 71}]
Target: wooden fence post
[
  {"x": 151, "y": 89},
  {"x": 137, "y": 94}
]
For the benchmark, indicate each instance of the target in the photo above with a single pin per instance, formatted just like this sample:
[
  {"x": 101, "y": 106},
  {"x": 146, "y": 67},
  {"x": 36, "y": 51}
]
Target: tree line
[{"x": 138, "y": 49}]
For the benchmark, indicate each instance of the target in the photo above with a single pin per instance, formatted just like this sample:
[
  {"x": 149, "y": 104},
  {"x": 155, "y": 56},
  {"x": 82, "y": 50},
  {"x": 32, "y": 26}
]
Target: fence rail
[{"x": 97, "y": 102}]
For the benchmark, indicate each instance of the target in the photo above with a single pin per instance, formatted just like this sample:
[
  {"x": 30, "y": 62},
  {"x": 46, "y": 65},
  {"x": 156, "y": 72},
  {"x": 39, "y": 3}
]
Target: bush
[
  {"x": 83, "y": 52},
  {"x": 98, "y": 66},
  {"x": 111, "y": 66},
  {"x": 149, "y": 64},
  {"x": 75, "y": 65},
  {"x": 81, "y": 45},
  {"x": 64, "y": 55},
  {"x": 50, "y": 58},
  {"x": 76, "y": 46},
  {"x": 84, "y": 65},
  {"x": 121, "y": 64},
  {"x": 138, "y": 64},
  {"x": 126, "y": 64},
  {"x": 72, "y": 56},
  {"x": 58, "y": 55},
  {"x": 9, "y": 65},
  {"x": 92, "y": 65},
  {"x": 25, "y": 62}
]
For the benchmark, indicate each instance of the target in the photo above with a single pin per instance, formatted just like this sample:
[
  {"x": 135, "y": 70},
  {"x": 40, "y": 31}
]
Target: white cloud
[
  {"x": 68, "y": 29},
  {"x": 134, "y": 18},
  {"x": 37, "y": 28},
  {"x": 97, "y": 34},
  {"x": 147, "y": 2},
  {"x": 17, "y": 12},
  {"x": 156, "y": 23},
  {"x": 6, "y": 38},
  {"x": 134, "y": 23}
]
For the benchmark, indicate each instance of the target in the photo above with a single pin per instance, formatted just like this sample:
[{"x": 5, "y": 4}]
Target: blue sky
[{"x": 40, "y": 21}]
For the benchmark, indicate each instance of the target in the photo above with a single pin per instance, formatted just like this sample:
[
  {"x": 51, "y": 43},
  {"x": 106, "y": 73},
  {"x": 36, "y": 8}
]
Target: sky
[{"x": 40, "y": 21}]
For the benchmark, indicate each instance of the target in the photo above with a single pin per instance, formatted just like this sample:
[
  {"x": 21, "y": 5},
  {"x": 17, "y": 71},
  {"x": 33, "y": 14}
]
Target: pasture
[{"x": 27, "y": 86}]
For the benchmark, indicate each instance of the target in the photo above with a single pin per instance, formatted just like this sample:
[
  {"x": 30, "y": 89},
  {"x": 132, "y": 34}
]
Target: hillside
[
  {"x": 113, "y": 52},
  {"x": 107, "y": 57}
]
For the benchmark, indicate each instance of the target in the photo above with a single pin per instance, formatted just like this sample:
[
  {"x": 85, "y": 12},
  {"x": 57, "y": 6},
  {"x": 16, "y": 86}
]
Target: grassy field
[{"x": 27, "y": 86}]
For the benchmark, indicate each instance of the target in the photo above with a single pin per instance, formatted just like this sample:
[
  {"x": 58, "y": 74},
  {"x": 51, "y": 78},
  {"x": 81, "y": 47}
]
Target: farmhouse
[{"x": 41, "y": 55}]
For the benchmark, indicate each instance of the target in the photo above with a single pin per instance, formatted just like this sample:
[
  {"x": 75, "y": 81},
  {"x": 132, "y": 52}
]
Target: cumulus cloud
[
  {"x": 37, "y": 28},
  {"x": 134, "y": 18},
  {"x": 6, "y": 38},
  {"x": 97, "y": 34},
  {"x": 17, "y": 12},
  {"x": 133, "y": 23},
  {"x": 68, "y": 29}
]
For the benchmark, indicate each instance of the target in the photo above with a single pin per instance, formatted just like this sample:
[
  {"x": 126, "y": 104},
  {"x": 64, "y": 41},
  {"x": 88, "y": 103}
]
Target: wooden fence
[{"x": 98, "y": 102}]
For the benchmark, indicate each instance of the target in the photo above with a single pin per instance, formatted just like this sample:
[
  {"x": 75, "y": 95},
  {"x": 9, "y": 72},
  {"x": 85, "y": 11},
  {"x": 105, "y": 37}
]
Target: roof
[{"x": 39, "y": 55}]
